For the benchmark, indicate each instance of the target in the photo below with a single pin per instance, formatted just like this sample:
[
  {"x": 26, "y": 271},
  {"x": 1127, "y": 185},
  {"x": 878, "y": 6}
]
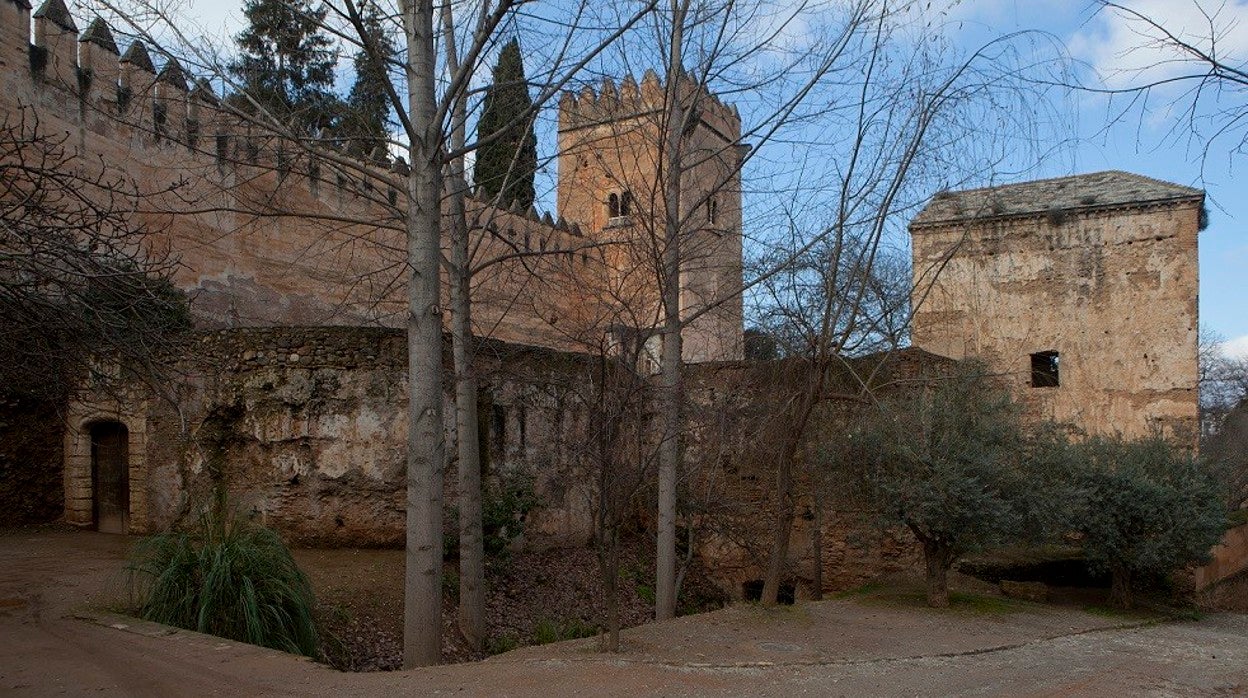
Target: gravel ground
[{"x": 57, "y": 641}]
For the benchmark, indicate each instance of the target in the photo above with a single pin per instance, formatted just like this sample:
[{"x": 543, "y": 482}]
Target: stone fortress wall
[
  {"x": 1081, "y": 291},
  {"x": 293, "y": 253},
  {"x": 273, "y": 231}
]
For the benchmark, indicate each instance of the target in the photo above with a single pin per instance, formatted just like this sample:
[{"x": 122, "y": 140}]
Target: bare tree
[
  {"x": 84, "y": 294},
  {"x": 1190, "y": 69},
  {"x": 621, "y": 455},
  {"x": 689, "y": 226},
  {"x": 1223, "y": 381},
  {"x": 788, "y": 67},
  {"x": 431, "y": 88},
  {"x": 843, "y": 289}
]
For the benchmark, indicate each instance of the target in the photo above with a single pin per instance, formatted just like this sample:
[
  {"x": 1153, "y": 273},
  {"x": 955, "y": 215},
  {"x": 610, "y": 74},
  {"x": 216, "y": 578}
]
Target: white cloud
[
  {"x": 1126, "y": 50},
  {"x": 1236, "y": 348}
]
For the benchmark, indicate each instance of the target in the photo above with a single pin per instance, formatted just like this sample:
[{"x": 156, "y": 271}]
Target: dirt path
[{"x": 49, "y": 580}]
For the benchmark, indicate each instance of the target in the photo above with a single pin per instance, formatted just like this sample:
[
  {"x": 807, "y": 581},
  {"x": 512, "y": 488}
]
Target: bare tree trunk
[
  {"x": 937, "y": 558},
  {"x": 816, "y": 537},
  {"x": 467, "y": 424},
  {"x": 426, "y": 448},
  {"x": 611, "y": 585},
  {"x": 671, "y": 398},
  {"x": 467, "y": 428},
  {"x": 782, "y": 524},
  {"x": 1120, "y": 595}
]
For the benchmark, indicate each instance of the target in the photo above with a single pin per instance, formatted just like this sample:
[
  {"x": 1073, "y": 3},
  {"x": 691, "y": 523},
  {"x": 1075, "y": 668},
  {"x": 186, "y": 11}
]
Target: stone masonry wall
[
  {"x": 736, "y": 427},
  {"x": 1114, "y": 291},
  {"x": 310, "y": 426}
]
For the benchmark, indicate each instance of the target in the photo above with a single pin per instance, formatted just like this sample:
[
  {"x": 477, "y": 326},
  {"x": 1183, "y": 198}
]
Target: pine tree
[
  {"x": 286, "y": 62},
  {"x": 506, "y": 166},
  {"x": 368, "y": 105}
]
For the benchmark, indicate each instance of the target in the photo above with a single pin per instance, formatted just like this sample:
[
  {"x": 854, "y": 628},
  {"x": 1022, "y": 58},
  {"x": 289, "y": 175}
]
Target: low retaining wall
[{"x": 1230, "y": 557}]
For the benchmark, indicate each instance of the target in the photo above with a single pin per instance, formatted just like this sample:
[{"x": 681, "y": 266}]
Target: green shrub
[
  {"x": 227, "y": 577},
  {"x": 548, "y": 631},
  {"x": 505, "y": 503},
  {"x": 500, "y": 644}
]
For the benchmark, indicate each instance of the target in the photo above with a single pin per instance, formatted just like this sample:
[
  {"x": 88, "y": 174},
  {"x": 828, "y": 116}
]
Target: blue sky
[{"x": 1152, "y": 139}]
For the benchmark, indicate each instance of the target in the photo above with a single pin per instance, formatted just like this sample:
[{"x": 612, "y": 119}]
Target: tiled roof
[{"x": 1086, "y": 191}]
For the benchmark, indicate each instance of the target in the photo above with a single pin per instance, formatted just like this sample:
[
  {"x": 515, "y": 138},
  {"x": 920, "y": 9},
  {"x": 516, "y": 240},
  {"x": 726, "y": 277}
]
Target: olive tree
[
  {"x": 945, "y": 461},
  {"x": 1146, "y": 508}
]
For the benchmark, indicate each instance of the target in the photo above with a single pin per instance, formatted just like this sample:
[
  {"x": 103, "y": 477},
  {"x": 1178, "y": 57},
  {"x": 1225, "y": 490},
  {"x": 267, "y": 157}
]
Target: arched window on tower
[
  {"x": 613, "y": 206},
  {"x": 626, "y": 204}
]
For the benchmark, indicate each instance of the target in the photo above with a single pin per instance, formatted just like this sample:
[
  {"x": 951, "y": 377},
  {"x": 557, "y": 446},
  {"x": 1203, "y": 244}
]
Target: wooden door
[{"x": 110, "y": 470}]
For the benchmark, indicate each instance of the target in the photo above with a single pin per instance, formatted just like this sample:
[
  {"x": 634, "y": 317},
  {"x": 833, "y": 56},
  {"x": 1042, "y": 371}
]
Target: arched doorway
[{"x": 110, "y": 475}]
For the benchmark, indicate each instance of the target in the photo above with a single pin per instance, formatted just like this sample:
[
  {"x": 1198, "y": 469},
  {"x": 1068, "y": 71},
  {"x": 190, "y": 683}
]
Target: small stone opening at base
[{"x": 753, "y": 591}]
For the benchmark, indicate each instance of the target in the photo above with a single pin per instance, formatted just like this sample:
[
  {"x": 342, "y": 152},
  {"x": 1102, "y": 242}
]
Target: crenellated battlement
[
  {"x": 287, "y": 228},
  {"x": 124, "y": 96},
  {"x": 628, "y": 99}
]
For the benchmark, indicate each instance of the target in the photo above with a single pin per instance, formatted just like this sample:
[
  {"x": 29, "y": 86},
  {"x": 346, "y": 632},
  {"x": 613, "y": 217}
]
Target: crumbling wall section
[
  {"x": 306, "y": 429},
  {"x": 737, "y": 420}
]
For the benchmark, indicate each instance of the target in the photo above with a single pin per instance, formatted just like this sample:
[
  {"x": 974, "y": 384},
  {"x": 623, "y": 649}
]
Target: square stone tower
[
  {"x": 1081, "y": 291},
  {"x": 611, "y": 181}
]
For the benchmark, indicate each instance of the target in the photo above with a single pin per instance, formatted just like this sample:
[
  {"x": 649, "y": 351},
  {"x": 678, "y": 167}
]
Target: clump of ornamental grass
[{"x": 227, "y": 576}]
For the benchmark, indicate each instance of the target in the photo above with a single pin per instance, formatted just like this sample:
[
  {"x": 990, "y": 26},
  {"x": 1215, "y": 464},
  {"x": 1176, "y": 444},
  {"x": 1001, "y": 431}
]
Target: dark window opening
[
  {"x": 626, "y": 204},
  {"x": 613, "y": 206},
  {"x": 753, "y": 591},
  {"x": 1044, "y": 369}
]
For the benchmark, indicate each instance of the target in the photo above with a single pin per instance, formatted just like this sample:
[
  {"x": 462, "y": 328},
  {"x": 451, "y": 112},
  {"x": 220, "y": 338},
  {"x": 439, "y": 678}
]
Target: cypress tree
[
  {"x": 368, "y": 105},
  {"x": 505, "y": 167},
  {"x": 286, "y": 62}
]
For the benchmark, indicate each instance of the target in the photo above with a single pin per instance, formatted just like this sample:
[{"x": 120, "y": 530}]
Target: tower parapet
[
  {"x": 98, "y": 58},
  {"x": 56, "y": 36},
  {"x": 612, "y": 103},
  {"x": 14, "y": 34}
]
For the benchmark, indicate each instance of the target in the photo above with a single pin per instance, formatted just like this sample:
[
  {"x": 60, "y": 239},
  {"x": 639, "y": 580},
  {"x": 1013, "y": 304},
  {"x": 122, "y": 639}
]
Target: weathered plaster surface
[{"x": 1114, "y": 291}]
